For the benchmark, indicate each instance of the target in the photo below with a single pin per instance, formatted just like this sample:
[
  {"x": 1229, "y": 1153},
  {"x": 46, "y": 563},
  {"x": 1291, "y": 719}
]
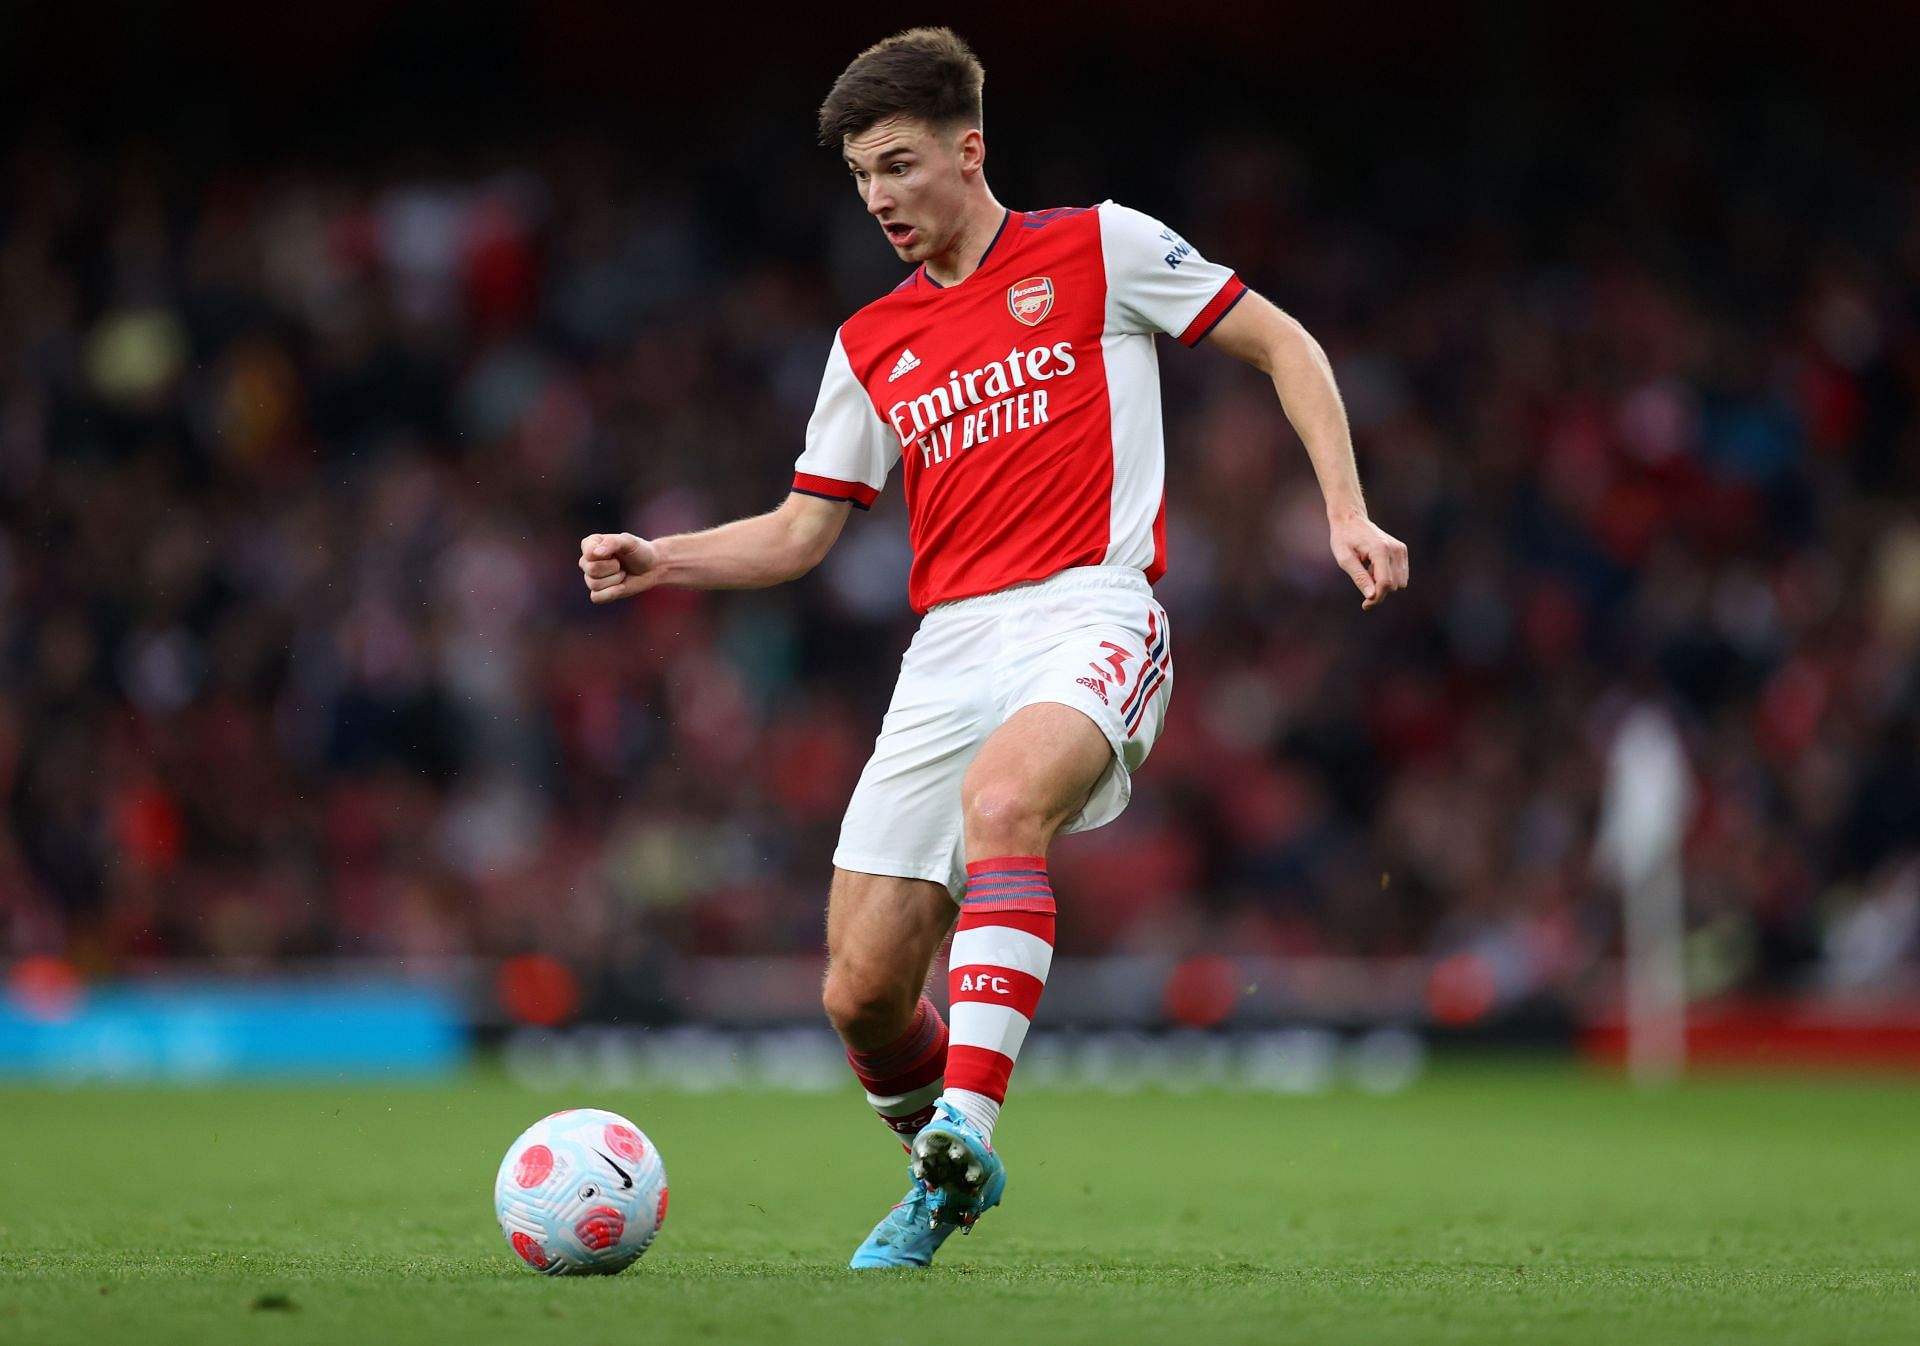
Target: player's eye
[{"x": 898, "y": 169}]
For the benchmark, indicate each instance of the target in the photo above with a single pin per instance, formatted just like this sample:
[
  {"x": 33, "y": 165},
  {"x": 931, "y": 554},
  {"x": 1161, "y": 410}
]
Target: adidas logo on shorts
[{"x": 907, "y": 362}]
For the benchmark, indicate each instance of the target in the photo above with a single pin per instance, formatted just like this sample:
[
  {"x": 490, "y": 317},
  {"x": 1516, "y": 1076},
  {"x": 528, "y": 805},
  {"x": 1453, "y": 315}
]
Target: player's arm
[
  {"x": 1279, "y": 347},
  {"x": 770, "y": 548}
]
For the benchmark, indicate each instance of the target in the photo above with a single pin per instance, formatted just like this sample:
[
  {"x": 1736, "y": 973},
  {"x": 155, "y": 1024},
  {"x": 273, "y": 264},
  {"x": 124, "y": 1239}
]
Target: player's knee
[
  {"x": 863, "y": 1008},
  {"x": 1007, "y": 818}
]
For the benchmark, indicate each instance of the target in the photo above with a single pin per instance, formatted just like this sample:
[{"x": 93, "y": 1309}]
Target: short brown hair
[{"x": 929, "y": 73}]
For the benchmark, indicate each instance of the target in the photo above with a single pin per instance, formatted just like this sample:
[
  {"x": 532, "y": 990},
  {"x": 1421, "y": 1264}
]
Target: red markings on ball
[
  {"x": 530, "y": 1251},
  {"x": 600, "y": 1228},
  {"x": 625, "y": 1142},
  {"x": 536, "y": 1161},
  {"x": 660, "y": 1211}
]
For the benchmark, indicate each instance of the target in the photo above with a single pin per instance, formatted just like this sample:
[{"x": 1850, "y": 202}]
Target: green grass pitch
[{"x": 1528, "y": 1205}]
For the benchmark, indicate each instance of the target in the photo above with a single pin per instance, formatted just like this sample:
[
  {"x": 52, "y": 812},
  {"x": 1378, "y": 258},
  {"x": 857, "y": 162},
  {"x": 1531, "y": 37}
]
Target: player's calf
[
  {"x": 1002, "y": 952},
  {"x": 881, "y": 935},
  {"x": 904, "y": 1077}
]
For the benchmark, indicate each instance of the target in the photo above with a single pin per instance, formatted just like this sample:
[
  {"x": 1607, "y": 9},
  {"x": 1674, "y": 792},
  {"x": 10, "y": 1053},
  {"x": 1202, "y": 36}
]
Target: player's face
[{"x": 913, "y": 179}]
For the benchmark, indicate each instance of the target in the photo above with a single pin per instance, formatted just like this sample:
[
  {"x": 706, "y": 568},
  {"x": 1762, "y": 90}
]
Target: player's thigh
[
  {"x": 883, "y": 931},
  {"x": 1111, "y": 662},
  {"x": 1043, "y": 763}
]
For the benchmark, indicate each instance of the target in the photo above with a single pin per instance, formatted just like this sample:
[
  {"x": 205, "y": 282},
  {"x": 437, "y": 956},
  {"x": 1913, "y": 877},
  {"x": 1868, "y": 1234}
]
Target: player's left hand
[{"x": 1376, "y": 561}]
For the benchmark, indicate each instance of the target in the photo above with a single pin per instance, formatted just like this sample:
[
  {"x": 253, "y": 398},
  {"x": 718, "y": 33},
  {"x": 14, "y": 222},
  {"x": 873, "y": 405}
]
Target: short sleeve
[
  {"x": 849, "y": 449},
  {"x": 1158, "y": 282}
]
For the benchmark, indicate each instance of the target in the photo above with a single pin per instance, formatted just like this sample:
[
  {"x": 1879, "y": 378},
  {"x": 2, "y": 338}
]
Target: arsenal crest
[{"x": 1031, "y": 299}]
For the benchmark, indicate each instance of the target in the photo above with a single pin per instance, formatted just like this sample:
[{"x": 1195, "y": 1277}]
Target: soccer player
[{"x": 1012, "y": 378}]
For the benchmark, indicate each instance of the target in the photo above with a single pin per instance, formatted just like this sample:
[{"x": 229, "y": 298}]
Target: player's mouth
[{"x": 902, "y": 235}]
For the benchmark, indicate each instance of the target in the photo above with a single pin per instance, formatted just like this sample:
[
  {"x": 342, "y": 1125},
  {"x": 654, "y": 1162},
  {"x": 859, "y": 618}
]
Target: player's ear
[{"x": 971, "y": 147}]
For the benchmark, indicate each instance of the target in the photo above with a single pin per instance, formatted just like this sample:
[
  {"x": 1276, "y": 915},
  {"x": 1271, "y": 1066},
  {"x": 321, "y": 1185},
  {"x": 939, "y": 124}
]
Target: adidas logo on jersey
[{"x": 907, "y": 363}]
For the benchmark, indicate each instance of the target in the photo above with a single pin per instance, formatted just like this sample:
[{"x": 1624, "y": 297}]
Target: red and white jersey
[{"x": 1023, "y": 403}]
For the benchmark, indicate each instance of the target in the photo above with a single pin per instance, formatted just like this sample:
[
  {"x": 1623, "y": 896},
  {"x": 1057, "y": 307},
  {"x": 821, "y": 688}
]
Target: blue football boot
[
  {"x": 908, "y": 1237},
  {"x": 962, "y": 1175}
]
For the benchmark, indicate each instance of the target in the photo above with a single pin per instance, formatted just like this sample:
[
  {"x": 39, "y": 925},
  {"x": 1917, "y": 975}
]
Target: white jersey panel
[
  {"x": 847, "y": 442},
  {"x": 1139, "y": 444},
  {"x": 1156, "y": 281}
]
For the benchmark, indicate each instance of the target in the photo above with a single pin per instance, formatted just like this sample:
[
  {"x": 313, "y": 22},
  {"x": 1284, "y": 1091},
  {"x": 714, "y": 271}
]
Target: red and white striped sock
[
  {"x": 903, "y": 1078},
  {"x": 1002, "y": 950}
]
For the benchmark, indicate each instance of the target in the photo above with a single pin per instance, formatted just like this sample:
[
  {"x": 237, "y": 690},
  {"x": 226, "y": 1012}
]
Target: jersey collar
[{"x": 1005, "y": 220}]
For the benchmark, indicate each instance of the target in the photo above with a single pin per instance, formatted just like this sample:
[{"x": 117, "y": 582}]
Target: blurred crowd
[{"x": 296, "y": 664}]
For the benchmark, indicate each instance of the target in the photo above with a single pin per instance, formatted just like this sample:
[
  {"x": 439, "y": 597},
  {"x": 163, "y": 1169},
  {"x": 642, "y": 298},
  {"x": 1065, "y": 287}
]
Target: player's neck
[{"x": 970, "y": 244}]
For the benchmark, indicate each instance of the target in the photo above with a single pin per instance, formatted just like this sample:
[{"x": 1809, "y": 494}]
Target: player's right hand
[{"x": 618, "y": 565}]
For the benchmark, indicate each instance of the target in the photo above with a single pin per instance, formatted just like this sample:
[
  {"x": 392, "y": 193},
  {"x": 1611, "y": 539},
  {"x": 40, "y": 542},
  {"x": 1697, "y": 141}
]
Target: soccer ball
[{"x": 581, "y": 1193}]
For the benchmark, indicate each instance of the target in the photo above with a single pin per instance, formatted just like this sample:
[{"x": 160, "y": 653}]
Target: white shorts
[{"x": 1091, "y": 638}]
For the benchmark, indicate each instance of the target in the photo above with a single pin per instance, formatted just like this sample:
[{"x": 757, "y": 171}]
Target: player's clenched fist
[
  {"x": 1376, "y": 561},
  {"x": 618, "y": 565}
]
